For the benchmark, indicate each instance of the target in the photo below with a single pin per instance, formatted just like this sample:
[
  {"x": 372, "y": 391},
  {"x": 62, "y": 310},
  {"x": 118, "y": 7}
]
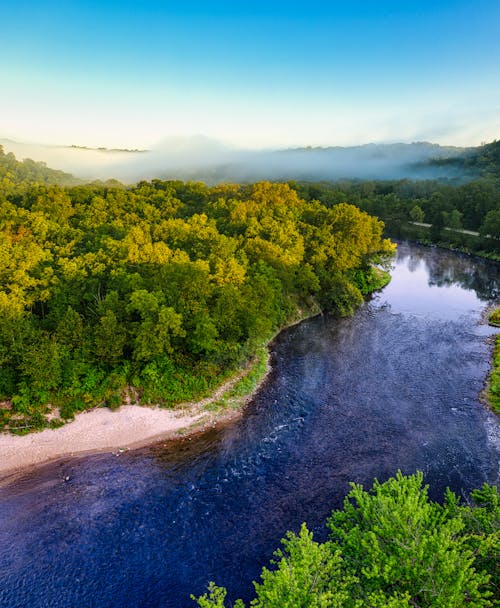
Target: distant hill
[
  {"x": 202, "y": 159},
  {"x": 102, "y": 149},
  {"x": 85, "y": 163},
  {"x": 483, "y": 161},
  {"x": 28, "y": 170}
]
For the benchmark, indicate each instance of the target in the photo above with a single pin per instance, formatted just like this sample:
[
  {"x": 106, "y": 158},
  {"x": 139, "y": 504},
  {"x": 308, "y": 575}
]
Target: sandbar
[{"x": 131, "y": 426}]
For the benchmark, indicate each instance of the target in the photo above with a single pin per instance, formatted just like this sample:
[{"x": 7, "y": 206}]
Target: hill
[{"x": 17, "y": 172}]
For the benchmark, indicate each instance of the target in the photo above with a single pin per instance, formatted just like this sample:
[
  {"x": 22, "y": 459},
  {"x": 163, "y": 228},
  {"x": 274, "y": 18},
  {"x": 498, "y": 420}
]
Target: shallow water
[{"x": 394, "y": 387}]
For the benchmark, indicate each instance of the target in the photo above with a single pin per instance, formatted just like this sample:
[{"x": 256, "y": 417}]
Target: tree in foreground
[{"x": 390, "y": 547}]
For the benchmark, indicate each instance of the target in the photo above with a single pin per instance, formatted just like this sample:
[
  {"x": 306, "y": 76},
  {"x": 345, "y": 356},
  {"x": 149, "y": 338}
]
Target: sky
[{"x": 254, "y": 74}]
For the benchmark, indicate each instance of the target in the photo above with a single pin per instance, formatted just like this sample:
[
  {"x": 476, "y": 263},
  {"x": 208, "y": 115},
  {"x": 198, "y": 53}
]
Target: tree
[
  {"x": 164, "y": 285},
  {"x": 417, "y": 214},
  {"x": 438, "y": 223},
  {"x": 389, "y": 548},
  {"x": 109, "y": 339},
  {"x": 308, "y": 574},
  {"x": 454, "y": 219},
  {"x": 397, "y": 541},
  {"x": 491, "y": 224}
]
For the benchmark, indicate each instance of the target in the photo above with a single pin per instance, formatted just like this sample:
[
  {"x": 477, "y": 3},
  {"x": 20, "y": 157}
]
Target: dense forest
[
  {"x": 464, "y": 216},
  {"x": 161, "y": 289},
  {"x": 390, "y": 547}
]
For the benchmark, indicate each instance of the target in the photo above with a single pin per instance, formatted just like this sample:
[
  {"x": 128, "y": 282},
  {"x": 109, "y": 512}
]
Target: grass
[
  {"x": 236, "y": 396},
  {"x": 493, "y": 390},
  {"x": 494, "y": 318}
]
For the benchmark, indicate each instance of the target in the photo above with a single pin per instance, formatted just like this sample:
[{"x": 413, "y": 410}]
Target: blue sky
[{"x": 255, "y": 74}]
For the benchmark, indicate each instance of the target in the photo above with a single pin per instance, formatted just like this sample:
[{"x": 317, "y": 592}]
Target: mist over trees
[
  {"x": 450, "y": 209},
  {"x": 168, "y": 286},
  {"x": 210, "y": 161}
]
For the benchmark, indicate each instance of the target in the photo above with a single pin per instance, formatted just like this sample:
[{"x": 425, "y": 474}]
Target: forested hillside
[
  {"x": 451, "y": 210},
  {"x": 483, "y": 161},
  {"x": 13, "y": 173},
  {"x": 164, "y": 287}
]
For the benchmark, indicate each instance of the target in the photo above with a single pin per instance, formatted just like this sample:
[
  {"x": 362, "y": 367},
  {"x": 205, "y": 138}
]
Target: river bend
[{"x": 394, "y": 387}]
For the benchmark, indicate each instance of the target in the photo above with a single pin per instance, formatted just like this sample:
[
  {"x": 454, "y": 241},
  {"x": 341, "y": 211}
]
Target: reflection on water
[
  {"x": 395, "y": 387},
  {"x": 446, "y": 269},
  {"x": 434, "y": 282}
]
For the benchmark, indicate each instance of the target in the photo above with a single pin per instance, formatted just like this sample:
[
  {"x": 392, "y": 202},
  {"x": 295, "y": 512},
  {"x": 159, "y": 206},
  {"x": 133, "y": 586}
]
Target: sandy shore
[
  {"x": 131, "y": 426},
  {"x": 104, "y": 430},
  {"x": 98, "y": 430}
]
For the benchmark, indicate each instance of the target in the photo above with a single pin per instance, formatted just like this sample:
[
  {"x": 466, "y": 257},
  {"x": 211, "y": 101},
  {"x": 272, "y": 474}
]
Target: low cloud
[{"x": 201, "y": 158}]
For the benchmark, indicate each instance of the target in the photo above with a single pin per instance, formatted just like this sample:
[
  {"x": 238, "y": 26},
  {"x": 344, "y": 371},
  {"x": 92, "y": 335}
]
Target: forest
[
  {"x": 389, "y": 547},
  {"x": 462, "y": 214},
  {"x": 159, "y": 290}
]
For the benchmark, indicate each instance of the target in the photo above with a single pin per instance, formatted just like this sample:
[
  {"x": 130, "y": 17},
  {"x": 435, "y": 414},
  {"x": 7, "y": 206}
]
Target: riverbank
[
  {"x": 133, "y": 426},
  {"x": 393, "y": 388},
  {"x": 466, "y": 242},
  {"x": 493, "y": 387}
]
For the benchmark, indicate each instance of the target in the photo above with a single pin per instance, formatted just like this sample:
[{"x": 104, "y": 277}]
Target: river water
[{"x": 395, "y": 387}]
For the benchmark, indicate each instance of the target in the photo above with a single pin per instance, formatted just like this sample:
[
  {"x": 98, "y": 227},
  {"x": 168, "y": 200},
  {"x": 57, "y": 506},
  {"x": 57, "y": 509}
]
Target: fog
[{"x": 201, "y": 158}]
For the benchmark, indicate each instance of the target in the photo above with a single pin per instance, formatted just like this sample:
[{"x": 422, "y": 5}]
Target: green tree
[
  {"x": 389, "y": 548},
  {"x": 164, "y": 284},
  {"x": 454, "y": 219},
  {"x": 491, "y": 224},
  {"x": 417, "y": 214},
  {"x": 397, "y": 541},
  {"x": 109, "y": 339},
  {"x": 308, "y": 574},
  {"x": 438, "y": 223}
]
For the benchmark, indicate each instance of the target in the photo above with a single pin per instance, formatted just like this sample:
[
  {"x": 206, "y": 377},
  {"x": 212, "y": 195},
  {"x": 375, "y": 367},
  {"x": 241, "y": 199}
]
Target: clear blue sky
[{"x": 253, "y": 73}]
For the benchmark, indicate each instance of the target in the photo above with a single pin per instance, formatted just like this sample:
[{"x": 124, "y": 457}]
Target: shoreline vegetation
[
  {"x": 492, "y": 392},
  {"x": 461, "y": 214},
  {"x": 133, "y": 426},
  {"x": 467, "y": 244}
]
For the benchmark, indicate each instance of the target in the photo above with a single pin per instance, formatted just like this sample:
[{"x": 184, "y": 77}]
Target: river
[{"x": 395, "y": 387}]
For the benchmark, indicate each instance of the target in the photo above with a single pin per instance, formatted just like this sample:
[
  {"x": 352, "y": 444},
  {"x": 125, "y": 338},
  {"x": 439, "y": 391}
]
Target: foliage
[
  {"x": 390, "y": 547},
  {"x": 417, "y": 214},
  {"x": 448, "y": 207},
  {"x": 494, "y": 318},
  {"x": 491, "y": 224},
  {"x": 13, "y": 172},
  {"x": 307, "y": 573},
  {"x": 397, "y": 540},
  {"x": 164, "y": 287},
  {"x": 493, "y": 391}
]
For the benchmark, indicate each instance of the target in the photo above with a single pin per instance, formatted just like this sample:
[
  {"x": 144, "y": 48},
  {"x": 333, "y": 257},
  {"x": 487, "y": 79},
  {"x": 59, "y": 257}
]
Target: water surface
[{"x": 394, "y": 387}]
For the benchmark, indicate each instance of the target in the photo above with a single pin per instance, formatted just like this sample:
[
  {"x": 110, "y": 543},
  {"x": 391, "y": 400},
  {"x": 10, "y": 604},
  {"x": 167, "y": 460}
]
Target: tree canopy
[
  {"x": 164, "y": 286},
  {"x": 390, "y": 547}
]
